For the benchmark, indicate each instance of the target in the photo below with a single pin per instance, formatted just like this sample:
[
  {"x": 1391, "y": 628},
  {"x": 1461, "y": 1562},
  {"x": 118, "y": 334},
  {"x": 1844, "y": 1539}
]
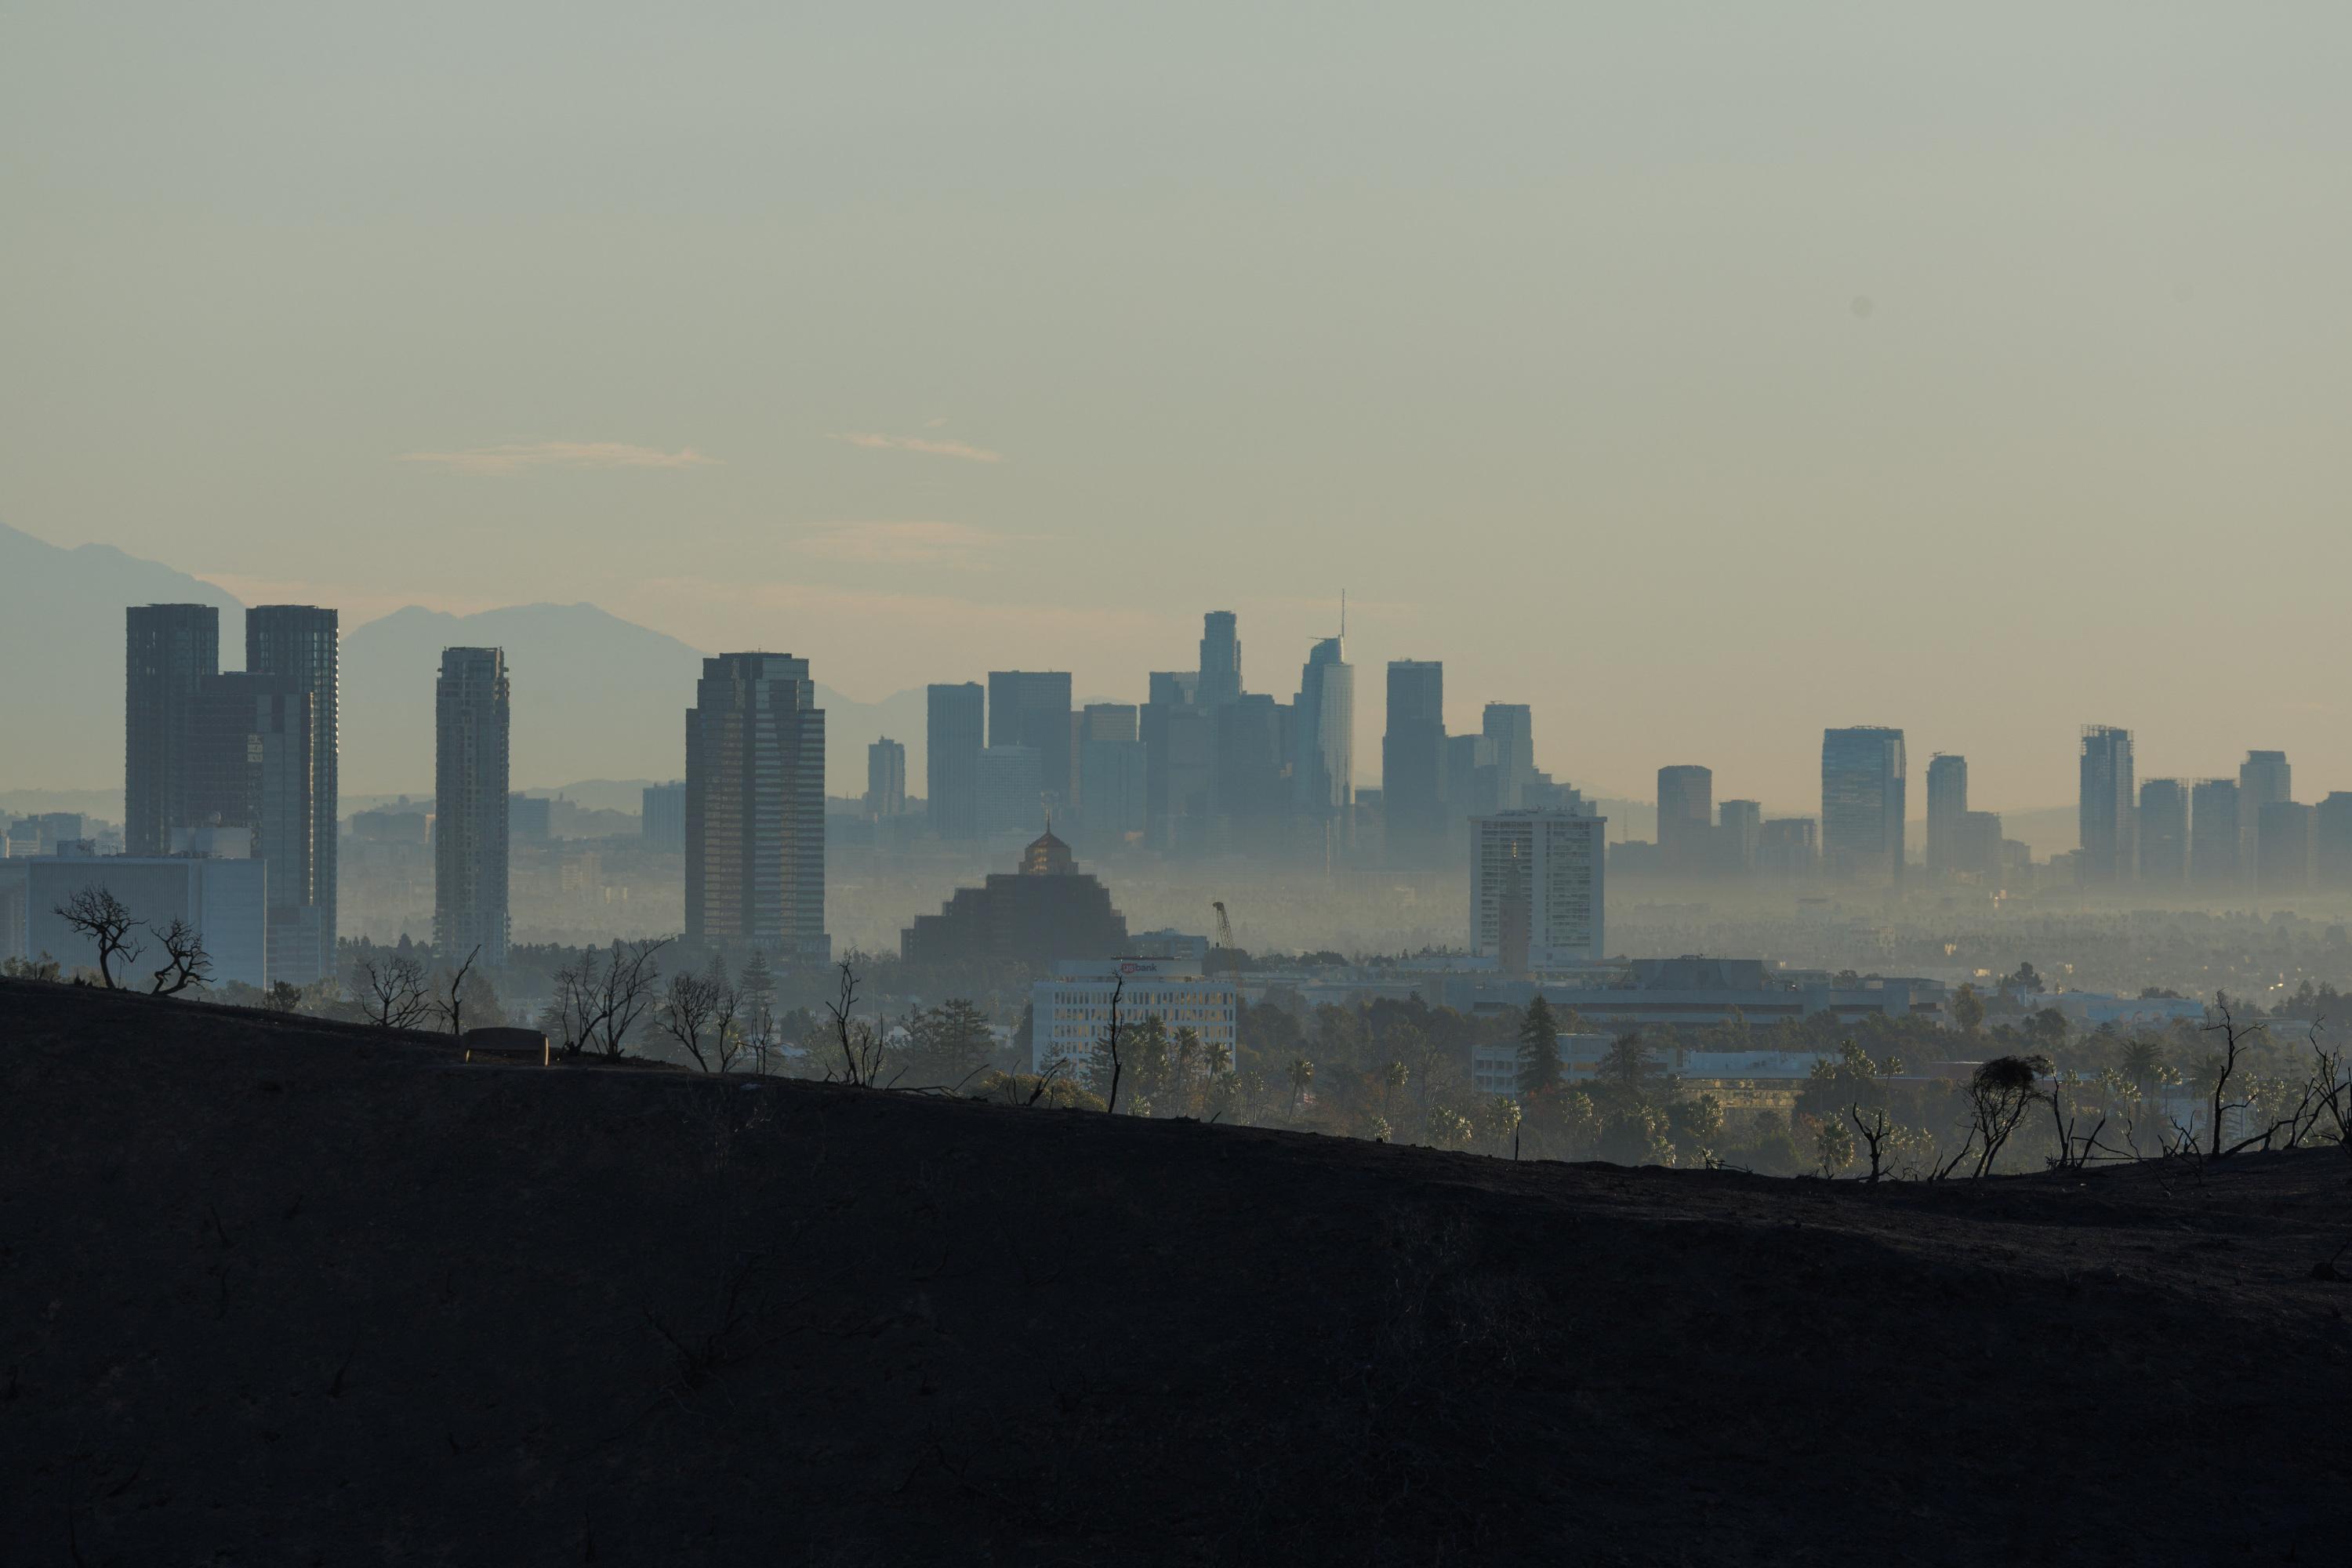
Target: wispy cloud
[
  {"x": 879, "y": 442},
  {"x": 903, "y": 543},
  {"x": 515, "y": 457}
]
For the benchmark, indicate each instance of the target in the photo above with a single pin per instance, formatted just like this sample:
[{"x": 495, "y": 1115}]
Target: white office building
[
  {"x": 1072, "y": 1011},
  {"x": 1537, "y": 889}
]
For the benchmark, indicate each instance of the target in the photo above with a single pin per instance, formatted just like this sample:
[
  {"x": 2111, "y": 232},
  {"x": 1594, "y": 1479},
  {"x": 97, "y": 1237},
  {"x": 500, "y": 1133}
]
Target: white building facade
[
  {"x": 1538, "y": 878},
  {"x": 1071, "y": 1011}
]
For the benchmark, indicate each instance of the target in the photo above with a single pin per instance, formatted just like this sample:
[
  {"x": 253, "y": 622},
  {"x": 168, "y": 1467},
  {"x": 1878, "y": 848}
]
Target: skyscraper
[
  {"x": 755, "y": 806},
  {"x": 471, "y": 727},
  {"x": 168, "y": 652},
  {"x": 2105, "y": 804},
  {"x": 2264, "y": 779},
  {"x": 1538, "y": 878},
  {"x": 953, "y": 735},
  {"x": 2216, "y": 859},
  {"x": 1738, "y": 835},
  {"x": 1789, "y": 848},
  {"x": 302, "y": 643},
  {"x": 1863, "y": 780},
  {"x": 1512, "y": 726},
  {"x": 1111, "y": 771},
  {"x": 253, "y": 759},
  {"x": 1221, "y": 659},
  {"x": 1248, "y": 795},
  {"x": 663, "y": 824},
  {"x": 2283, "y": 847},
  {"x": 2331, "y": 848},
  {"x": 1323, "y": 771},
  {"x": 1180, "y": 747},
  {"x": 886, "y": 778},
  {"x": 1947, "y": 798},
  {"x": 1012, "y": 792},
  {"x": 1032, "y": 708},
  {"x": 1685, "y": 818},
  {"x": 1412, "y": 764},
  {"x": 2164, "y": 833}
]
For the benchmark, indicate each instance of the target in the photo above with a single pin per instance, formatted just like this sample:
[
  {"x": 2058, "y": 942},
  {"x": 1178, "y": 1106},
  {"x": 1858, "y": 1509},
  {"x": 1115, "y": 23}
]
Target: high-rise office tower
[
  {"x": 1863, "y": 781},
  {"x": 1221, "y": 659},
  {"x": 1111, "y": 771},
  {"x": 1538, "y": 876},
  {"x": 1412, "y": 764},
  {"x": 168, "y": 652},
  {"x": 1323, "y": 769},
  {"x": 953, "y": 736},
  {"x": 1012, "y": 792},
  {"x": 1685, "y": 818},
  {"x": 472, "y": 722},
  {"x": 2164, "y": 833},
  {"x": 1032, "y": 708},
  {"x": 1789, "y": 847},
  {"x": 886, "y": 778},
  {"x": 1473, "y": 780},
  {"x": 2106, "y": 808},
  {"x": 2282, "y": 842},
  {"x": 1977, "y": 846},
  {"x": 253, "y": 757},
  {"x": 2264, "y": 779},
  {"x": 663, "y": 824},
  {"x": 1738, "y": 835},
  {"x": 755, "y": 806},
  {"x": 2216, "y": 841},
  {"x": 302, "y": 643},
  {"x": 1512, "y": 726},
  {"x": 2331, "y": 843},
  {"x": 1948, "y": 798},
  {"x": 1249, "y": 796}
]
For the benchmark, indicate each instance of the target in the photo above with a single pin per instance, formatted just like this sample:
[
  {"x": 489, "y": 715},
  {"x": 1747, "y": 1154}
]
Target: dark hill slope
[{"x": 278, "y": 1292}]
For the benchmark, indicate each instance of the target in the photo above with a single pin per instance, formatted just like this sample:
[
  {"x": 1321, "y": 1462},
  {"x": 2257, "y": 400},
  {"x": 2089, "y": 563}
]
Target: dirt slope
[{"x": 289, "y": 1293}]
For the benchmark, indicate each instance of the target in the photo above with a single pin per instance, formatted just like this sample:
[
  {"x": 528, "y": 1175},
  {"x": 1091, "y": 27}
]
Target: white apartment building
[
  {"x": 1536, "y": 888},
  {"x": 1072, "y": 1011}
]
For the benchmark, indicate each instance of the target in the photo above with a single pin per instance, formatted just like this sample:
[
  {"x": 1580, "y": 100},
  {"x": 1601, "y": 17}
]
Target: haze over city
[
  {"x": 1204, "y": 784},
  {"x": 1705, "y": 377}
]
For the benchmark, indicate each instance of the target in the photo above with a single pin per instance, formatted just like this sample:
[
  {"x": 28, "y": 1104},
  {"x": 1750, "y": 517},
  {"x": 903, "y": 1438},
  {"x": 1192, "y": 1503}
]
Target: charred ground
[{"x": 275, "y": 1290}]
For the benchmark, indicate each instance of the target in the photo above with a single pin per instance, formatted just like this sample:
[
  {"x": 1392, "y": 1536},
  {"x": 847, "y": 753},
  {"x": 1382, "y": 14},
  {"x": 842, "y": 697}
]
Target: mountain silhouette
[{"x": 595, "y": 697}]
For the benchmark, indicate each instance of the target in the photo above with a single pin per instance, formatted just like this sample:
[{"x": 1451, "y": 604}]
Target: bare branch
[
  {"x": 99, "y": 915},
  {"x": 185, "y": 962}
]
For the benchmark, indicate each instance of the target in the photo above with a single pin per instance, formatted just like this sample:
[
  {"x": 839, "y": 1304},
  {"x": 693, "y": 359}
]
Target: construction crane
[{"x": 1224, "y": 928}]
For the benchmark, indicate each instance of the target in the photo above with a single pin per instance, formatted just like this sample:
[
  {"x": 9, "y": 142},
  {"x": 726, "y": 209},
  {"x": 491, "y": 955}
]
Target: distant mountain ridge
[
  {"x": 61, "y": 652},
  {"x": 595, "y": 697}
]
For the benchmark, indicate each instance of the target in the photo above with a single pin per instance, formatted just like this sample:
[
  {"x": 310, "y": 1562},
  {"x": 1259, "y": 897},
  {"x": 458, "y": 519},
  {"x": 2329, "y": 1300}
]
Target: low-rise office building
[{"x": 1071, "y": 1011}]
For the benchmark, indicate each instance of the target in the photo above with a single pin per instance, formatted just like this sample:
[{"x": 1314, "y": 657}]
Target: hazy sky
[{"x": 1701, "y": 374}]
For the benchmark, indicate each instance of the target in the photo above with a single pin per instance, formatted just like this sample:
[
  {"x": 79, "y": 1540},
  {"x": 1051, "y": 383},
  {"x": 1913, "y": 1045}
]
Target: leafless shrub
[
  {"x": 698, "y": 1012},
  {"x": 392, "y": 993},
  {"x": 2234, "y": 1041},
  {"x": 1874, "y": 1138},
  {"x": 106, "y": 920},
  {"x": 452, "y": 1006},
  {"x": 185, "y": 962},
  {"x": 600, "y": 999},
  {"x": 860, "y": 1043}
]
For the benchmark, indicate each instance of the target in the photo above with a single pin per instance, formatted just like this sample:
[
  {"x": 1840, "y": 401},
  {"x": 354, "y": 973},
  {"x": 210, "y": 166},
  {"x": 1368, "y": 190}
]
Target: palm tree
[{"x": 2143, "y": 1064}]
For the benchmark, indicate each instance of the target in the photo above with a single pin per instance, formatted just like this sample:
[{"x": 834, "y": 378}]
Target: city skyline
[{"x": 1949, "y": 408}]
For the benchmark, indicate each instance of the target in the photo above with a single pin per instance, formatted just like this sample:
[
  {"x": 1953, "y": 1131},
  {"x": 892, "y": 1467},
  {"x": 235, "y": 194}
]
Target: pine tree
[{"x": 1538, "y": 1048}]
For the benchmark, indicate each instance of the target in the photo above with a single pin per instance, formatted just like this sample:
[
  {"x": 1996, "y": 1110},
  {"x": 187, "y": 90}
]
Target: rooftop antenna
[{"x": 1343, "y": 614}]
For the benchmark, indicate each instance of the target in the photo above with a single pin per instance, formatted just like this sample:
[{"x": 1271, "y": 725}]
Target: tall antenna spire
[{"x": 1343, "y": 614}]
